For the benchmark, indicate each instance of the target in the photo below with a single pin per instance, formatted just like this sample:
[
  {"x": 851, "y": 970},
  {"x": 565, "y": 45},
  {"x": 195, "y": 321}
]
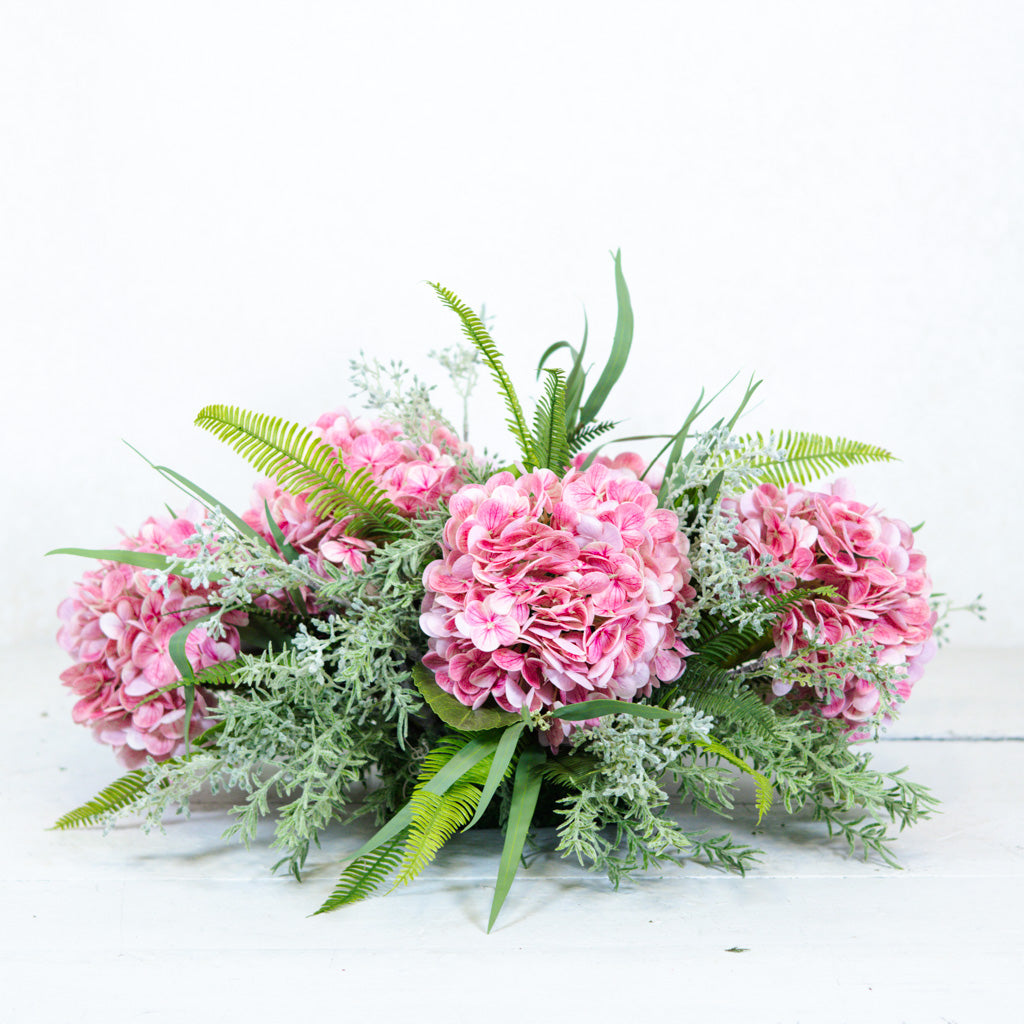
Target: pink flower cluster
[
  {"x": 415, "y": 477},
  {"x": 634, "y": 462},
  {"x": 553, "y": 591},
  {"x": 118, "y": 628},
  {"x": 881, "y": 583}
]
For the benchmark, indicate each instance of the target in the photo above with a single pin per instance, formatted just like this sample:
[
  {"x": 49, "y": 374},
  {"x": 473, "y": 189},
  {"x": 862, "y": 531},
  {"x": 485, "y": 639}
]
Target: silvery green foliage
[
  {"x": 310, "y": 721},
  {"x": 828, "y": 665},
  {"x": 462, "y": 362},
  {"x": 817, "y": 771},
  {"x": 396, "y": 393},
  {"x": 717, "y": 464},
  {"x": 945, "y": 608},
  {"x": 616, "y": 818},
  {"x": 303, "y": 725},
  {"x": 242, "y": 566}
]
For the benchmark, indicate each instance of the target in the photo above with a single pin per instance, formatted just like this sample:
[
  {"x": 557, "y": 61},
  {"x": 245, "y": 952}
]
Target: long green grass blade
[
  {"x": 525, "y": 791},
  {"x": 193, "y": 490},
  {"x": 620, "y": 348},
  {"x": 142, "y": 559},
  {"x": 503, "y": 755}
]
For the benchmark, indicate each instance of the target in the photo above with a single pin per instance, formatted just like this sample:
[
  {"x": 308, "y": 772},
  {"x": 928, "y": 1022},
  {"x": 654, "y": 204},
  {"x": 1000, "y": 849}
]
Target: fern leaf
[
  {"x": 745, "y": 707},
  {"x": 302, "y": 464},
  {"x": 570, "y": 771},
  {"x": 476, "y": 332},
  {"x": 582, "y": 436},
  {"x": 435, "y": 819},
  {"x": 120, "y": 794},
  {"x": 549, "y": 433},
  {"x": 810, "y": 457},
  {"x": 365, "y": 875}
]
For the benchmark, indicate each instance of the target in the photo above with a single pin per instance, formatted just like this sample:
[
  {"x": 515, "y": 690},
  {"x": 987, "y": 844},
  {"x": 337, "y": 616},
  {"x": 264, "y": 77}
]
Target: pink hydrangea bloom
[
  {"x": 118, "y": 628},
  {"x": 881, "y": 583},
  {"x": 551, "y": 591},
  {"x": 415, "y": 477},
  {"x": 631, "y": 461}
]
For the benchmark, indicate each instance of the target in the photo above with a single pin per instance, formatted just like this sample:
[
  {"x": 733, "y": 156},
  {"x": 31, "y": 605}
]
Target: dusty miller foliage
[
  {"x": 816, "y": 771},
  {"x": 304, "y": 724},
  {"x": 718, "y": 463},
  {"x": 616, "y": 818}
]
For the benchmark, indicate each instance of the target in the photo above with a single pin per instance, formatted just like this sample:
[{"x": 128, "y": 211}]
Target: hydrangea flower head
[
  {"x": 415, "y": 477},
  {"x": 880, "y": 580},
  {"x": 555, "y": 590},
  {"x": 118, "y": 628}
]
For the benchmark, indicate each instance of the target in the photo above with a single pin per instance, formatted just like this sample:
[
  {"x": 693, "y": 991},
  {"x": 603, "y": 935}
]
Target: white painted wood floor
[{"x": 181, "y": 927}]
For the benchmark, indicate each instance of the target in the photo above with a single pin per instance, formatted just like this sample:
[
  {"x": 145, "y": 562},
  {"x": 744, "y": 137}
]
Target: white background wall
[{"x": 223, "y": 201}]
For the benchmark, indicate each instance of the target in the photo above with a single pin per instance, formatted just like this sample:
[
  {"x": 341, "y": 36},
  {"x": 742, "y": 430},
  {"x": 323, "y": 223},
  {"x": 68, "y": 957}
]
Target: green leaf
[
  {"x": 125, "y": 791},
  {"x": 193, "y": 490},
  {"x": 176, "y": 649},
  {"x": 762, "y": 787},
  {"x": 620, "y": 348},
  {"x": 809, "y": 456},
  {"x": 368, "y": 873},
  {"x": 581, "y": 437},
  {"x": 476, "y": 332},
  {"x": 575, "y": 383},
  {"x": 525, "y": 791},
  {"x": 287, "y": 551},
  {"x": 576, "y": 379},
  {"x": 142, "y": 559},
  {"x": 454, "y": 713},
  {"x": 550, "y": 442},
  {"x": 303, "y": 464},
  {"x": 436, "y": 817},
  {"x": 467, "y": 758},
  {"x": 499, "y": 769}
]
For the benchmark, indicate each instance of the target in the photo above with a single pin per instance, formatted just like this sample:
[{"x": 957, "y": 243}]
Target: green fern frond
[
  {"x": 438, "y": 756},
  {"x": 435, "y": 819},
  {"x": 722, "y": 644},
  {"x": 365, "y": 875},
  {"x": 302, "y": 464},
  {"x": 570, "y": 771},
  {"x": 810, "y": 457},
  {"x": 744, "y": 707},
  {"x": 583, "y": 435},
  {"x": 120, "y": 794},
  {"x": 549, "y": 431},
  {"x": 476, "y": 332}
]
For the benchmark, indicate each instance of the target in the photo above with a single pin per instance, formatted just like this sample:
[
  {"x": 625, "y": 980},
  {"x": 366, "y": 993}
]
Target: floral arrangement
[{"x": 400, "y": 627}]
